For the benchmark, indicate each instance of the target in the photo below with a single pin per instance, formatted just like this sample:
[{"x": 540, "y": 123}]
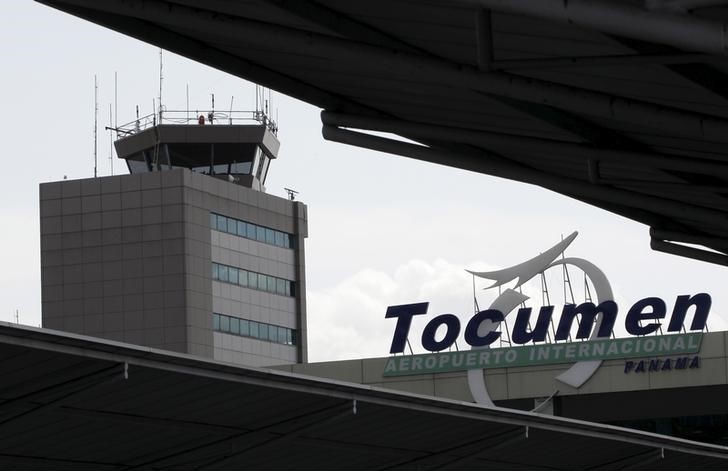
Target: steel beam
[
  {"x": 689, "y": 252},
  {"x": 608, "y": 61},
  {"x": 55, "y": 464},
  {"x": 342, "y": 24},
  {"x": 685, "y": 32},
  {"x": 33, "y": 403},
  {"x": 399, "y": 65},
  {"x": 674, "y": 209},
  {"x": 462, "y": 452},
  {"x": 504, "y": 142},
  {"x": 717, "y": 243},
  {"x": 484, "y": 39},
  {"x": 169, "y": 456},
  {"x": 682, "y": 5}
]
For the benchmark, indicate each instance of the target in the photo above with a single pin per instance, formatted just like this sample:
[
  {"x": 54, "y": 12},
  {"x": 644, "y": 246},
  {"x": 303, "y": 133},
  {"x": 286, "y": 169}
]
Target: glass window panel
[
  {"x": 282, "y": 335},
  {"x": 294, "y": 337},
  {"x": 241, "y": 167},
  {"x": 271, "y": 285},
  {"x": 234, "y": 325},
  {"x": 289, "y": 285},
  {"x": 280, "y": 241},
  {"x": 213, "y": 221},
  {"x": 225, "y": 323},
  {"x": 215, "y": 271},
  {"x": 215, "y": 322},
  {"x": 243, "y": 278},
  {"x": 250, "y": 230},
  {"x": 253, "y": 280},
  {"x": 260, "y": 233},
  {"x": 223, "y": 272},
  {"x": 244, "y": 327},
  {"x": 263, "y": 331},
  {"x": 241, "y": 228},
  {"x": 136, "y": 166},
  {"x": 281, "y": 286},
  {"x": 221, "y": 223},
  {"x": 233, "y": 275},
  {"x": 272, "y": 333},
  {"x": 289, "y": 337},
  {"x": 270, "y": 236},
  {"x": 254, "y": 329},
  {"x": 220, "y": 169}
]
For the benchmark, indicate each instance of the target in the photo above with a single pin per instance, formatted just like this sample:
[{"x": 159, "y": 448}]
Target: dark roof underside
[
  {"x": 76, "y": 403},
  {"x": 620, "y": 104}
]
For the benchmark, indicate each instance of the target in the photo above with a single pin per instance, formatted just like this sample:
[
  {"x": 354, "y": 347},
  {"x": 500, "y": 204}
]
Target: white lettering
[
  {"x": 570, "y": 351},
  {"x": 511, "y": 356},
  {"x": 543, "y": 353},
  {"x": 498, "y": 354},
  {"x": 584, "y": 350},
  {"x": 649, "y": 345}
]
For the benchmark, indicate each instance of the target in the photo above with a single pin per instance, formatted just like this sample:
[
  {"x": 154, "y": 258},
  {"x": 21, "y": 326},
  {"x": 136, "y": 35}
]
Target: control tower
[{"x": 187, "y": 252}]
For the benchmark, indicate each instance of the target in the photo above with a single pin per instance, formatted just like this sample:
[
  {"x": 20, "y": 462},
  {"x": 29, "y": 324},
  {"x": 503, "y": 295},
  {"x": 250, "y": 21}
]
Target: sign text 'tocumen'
[{"x": 647, "y": 309}]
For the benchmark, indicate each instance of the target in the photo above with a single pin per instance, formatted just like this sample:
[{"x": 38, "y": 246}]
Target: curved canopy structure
[
  {"x": 622, "y": 104},
  {"x": 76, "y": 403}
]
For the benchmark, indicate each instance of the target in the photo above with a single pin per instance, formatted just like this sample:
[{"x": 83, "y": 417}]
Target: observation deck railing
[{"x": 197, "y": 118}]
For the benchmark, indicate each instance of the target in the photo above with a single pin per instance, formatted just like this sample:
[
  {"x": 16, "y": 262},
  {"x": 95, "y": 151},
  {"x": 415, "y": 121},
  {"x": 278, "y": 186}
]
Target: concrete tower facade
[{"x": 187, "y": 253}]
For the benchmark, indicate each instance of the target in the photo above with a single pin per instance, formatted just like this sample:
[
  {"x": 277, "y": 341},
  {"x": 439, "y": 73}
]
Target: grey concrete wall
[{"x": 113, "y": 258}]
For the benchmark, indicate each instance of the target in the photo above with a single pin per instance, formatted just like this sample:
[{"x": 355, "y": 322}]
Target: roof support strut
[{"x": 622, "y": 19}]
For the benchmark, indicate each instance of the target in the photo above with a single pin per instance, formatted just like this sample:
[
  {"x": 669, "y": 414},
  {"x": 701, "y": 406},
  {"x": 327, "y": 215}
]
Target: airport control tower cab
[{"x": 237, "y": 147}]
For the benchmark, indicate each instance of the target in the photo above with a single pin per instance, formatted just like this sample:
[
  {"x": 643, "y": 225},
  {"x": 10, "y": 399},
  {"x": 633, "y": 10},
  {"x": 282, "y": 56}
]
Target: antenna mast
[
  {"x": 111, "y": 143},
  {"x": 96, "y": 124},
  {"x": 116, "y": 105},
  {"x": 160, "y": 85}
]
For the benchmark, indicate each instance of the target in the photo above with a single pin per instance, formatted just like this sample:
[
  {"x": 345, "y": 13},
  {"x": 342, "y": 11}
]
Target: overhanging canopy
[
  {"x": 77, "y": 403},
  {"x": 622, "y": 104}
]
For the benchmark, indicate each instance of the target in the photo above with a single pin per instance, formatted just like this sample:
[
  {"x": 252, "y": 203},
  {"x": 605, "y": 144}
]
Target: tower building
[{"x": 187, "y": 252}]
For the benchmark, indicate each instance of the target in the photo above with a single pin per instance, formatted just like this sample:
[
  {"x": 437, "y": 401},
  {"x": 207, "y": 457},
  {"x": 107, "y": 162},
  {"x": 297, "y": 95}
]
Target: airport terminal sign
[
  {"x": 590, "y": 322},
  {"x": 546, "y": 354}
]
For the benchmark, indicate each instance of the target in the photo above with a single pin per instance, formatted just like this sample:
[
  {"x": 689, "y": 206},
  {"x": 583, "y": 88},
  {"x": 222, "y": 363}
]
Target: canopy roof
[
  {"x": 77, "y": 403},
  {"x": 622, "y": 104}
]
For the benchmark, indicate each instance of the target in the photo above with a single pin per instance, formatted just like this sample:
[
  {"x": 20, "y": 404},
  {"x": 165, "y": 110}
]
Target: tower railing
[{"x": 197, "y": 118}]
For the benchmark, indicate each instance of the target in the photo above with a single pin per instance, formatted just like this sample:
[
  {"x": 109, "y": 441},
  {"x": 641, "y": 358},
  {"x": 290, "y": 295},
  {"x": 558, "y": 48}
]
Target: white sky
[{"x": 383, "y": 229}]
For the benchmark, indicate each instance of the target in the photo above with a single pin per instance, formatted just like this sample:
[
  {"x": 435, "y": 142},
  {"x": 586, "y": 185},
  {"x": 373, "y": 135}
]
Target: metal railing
[{"x": 196, "y": 117}]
